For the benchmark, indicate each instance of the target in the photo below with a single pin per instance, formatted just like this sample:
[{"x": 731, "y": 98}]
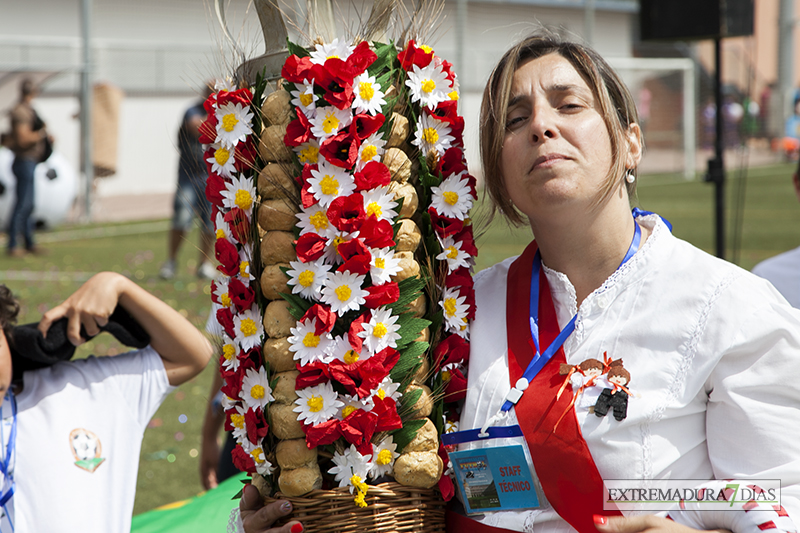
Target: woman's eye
[{"x": 514, "y": 121}]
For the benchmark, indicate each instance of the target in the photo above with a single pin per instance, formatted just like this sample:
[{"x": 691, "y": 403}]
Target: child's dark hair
[{"x": 9, "y": 308}]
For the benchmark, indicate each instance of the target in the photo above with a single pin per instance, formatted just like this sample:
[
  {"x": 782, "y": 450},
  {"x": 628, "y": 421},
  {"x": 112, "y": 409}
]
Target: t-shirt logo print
[{"x": 86, "y": 449}]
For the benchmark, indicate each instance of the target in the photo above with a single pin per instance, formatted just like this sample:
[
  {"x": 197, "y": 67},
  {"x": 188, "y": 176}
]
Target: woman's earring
[{"x": 629, "y": 177}]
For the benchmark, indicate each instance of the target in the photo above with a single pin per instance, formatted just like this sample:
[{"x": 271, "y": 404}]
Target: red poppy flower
[
  {"x": 208, "y": 129},
  {"x": 344, "y": 374},
  {"x": 228, "y": 257},
  {"x": 244, "y": 157},
  {"x": 380, "y": 295},
  {"x": 459, "y": 278},
  {"x": 445, "y": 483},
  {"x": 296, "y": 69},
  {"x": 239, "y": 224},
  {"x": 452, "y": 162},
  {"x": 310, "y": 247},
  {"x": 298, "y": 131},
  {"x": 452, "y": 349},
  {"x": 386, "y": 410},
  {"x": 306, "y": 174},
  {"x": 364, "y": 125},
  {"x": 361, "y": 58},
  {"x": 324, "y": 316},
  {"x": 444, "y": 226},
  {"x": 242, "y": 97},
  {"x": 373, "y": 370},
  {"x": 321, "y": 434},
  {"x": 340, "y": 150},
  {"x": 455, "y": 389},
  {"x": 307, "y": 197},
  {"x": 241, "y": 295},
  {"x": 352, "y": 248},
  {"x": 374, "y": 174},
  {"x": 447, "y": 67},
  {"x": 337, "y": 81},
  {"x": 358, "y": 428},
  {"x": 346, "y": 213},
  {"x": 356, "y": 327},
  {"x": 377, "y": 233},
  {"x": 242, "y": 460},
  {"x": 414, "y": 56},
  {"x": 225, "y": 319},
  {"x": 257, "y": 427},
  {"x": 214, "y": 187},
  {"x": 467, "y": 241},
  {"x": 312, "y": 374}
]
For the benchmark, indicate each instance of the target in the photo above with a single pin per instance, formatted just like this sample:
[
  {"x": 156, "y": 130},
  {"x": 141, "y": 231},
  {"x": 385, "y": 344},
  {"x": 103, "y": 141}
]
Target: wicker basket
[{"x": 391, "y": 508}]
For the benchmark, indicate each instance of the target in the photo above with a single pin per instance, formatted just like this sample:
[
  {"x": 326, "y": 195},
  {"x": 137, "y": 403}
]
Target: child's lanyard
[
  {"x": 539, "y": 360},
  {"x": 9, "y": 452}
]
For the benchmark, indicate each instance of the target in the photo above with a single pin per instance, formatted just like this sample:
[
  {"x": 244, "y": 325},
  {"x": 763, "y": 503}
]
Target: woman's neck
[{"x": 587, "y": 248}]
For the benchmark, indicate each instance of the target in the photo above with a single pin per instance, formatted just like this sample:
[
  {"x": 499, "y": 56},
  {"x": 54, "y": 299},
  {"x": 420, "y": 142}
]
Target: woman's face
[{"x": 557, "y": 148}]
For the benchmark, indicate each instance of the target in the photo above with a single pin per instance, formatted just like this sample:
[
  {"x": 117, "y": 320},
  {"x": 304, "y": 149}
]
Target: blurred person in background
[
  {"x": 190, "y": 200},
  {"x": 29, "y": 141}
]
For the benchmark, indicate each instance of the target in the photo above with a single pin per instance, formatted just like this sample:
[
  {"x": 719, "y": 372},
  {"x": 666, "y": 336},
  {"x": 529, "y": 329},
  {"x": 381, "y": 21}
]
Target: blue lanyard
[
  {"x": 10, "y": 447},
  {"x": 541, "y": 359}
]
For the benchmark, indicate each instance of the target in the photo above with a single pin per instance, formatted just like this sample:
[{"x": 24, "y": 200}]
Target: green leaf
[
  {"x": 410, "y": 290},
  {"x": 386, "y": 55},
  {"x": 410, "y": 399},
  {"x": 410, "y": 359},
  {"x": 297, "y": 305},
  {"x": 407, "y": 433},
  {"x": 296, "y": 49},
  {"x": 410, "y": 329}
]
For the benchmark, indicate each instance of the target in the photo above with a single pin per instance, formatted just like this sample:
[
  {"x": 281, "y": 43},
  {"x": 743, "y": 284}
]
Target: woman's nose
[{"x": 542, "y": 125}]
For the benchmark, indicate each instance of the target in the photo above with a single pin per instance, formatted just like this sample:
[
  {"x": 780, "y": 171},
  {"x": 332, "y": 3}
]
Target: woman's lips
[{"x": 548, "y": 160}]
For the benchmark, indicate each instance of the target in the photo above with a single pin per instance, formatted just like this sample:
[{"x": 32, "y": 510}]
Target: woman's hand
[
  {"x": 257, "y": 517},
  {"x": 641, "y": 523}
]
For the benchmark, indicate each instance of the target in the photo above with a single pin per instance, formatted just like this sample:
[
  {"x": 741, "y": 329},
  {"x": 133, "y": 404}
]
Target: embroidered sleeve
[{"x": 235, "y": 521}]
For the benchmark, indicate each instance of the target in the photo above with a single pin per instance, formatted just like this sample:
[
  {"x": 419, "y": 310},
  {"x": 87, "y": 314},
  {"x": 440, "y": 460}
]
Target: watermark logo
[{"x": 702, "y": 495}]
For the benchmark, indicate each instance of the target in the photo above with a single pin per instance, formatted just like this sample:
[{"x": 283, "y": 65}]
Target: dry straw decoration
[{"x": 342, "y": 205}]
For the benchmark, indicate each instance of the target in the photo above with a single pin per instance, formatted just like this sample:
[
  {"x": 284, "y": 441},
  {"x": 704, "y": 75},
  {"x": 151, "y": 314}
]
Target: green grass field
[{"x": 169, "y": 462}]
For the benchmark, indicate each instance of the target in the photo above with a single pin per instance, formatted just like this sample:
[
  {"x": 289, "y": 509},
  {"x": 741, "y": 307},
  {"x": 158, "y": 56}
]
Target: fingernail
[
  {"x": 599, "y": 519},
  {"x": 286, "y": 506},
  {"x": 297, "y": 528}
]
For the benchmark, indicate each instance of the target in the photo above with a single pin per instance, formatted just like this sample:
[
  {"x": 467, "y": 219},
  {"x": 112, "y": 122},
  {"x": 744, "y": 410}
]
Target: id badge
[{"x": 494, "y": 479}]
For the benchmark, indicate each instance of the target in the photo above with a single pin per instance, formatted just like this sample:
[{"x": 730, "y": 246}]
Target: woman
[{"x": 710, "y": 352}]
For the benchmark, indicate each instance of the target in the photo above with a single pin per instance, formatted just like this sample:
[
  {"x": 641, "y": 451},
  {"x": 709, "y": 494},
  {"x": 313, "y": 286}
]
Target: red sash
[{"x": 569, "y": 477}]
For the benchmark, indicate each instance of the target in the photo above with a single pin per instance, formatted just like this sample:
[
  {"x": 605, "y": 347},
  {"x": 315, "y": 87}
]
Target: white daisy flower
[
  {"x": 335, "y": 48},
  {"x": 228, "y": 403},
  {"x": 256, "y": 391},
  {"x": 368, "y": 95},
  {"x": 307, "y": 345},
  {"x": 240, "y": 192},
  {"x": 351, "y": 404},
  {"x": 455, "y": 311},
  {"x": 221, "y": 291},
  {"x": 452, "y": 198},
  {"x": 224, "y": 84},
  {"x": 248, "y": 328},
  {"x": 453, "y": 254},
  {"x": 315, "y": 220},
  {"x": 383, "y": 266},
  {"x": 429, "y": 85},
  {"x": 307, "y": 278},
  {"x": 237, "y": 421},
  {"x": 263, "y": 466},
  {"x": 329, "y": 120},
  {"x": 245, "y": 255},
  {"x": 385, "y": 388},
  {"x": 371, "y": 149},
  {"x": 381, "y": 330},
  {"x": 383, "y": 455},
  {"x": 222, "y": 230},
  {"x": 317, "y": 404},
  {"x": 336, "y": 237},
  {"x": 329, "y": 182},
  {"x": 450, "y": 426},
  {"x": 222, "y": 160},
  {"x": 380, "y": 203},
  {"x": 308, "y": 152},
  {"x": 342, "y": 292},
  {"x": 342, "y": 351},
  {"x": 304, "y": 98},
  {"x": 432, "y": 134},
  {"x": 350, "y": 464},
  {"x": 229, "y": 353},
  {"x": 233, "y": 124}
]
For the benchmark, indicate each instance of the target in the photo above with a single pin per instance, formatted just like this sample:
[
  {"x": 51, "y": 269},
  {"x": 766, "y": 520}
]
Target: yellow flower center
[
  {"x": 248, "y": 327},
  {"x": 315, "y": 404},
  {"x": 237, "y": 420},
  {"x": 446, "y": 376},
  {"x": 244, "y": 200},
  {"x": 220, "y": 233},
  {"x": 450, "y": 306},
  {"x": 347, "y": 411},
  {"x": 229, "y": 122},
  {"x": 450, "y": 197},
  {"x": 243, "y": 267},
  {"x": 309, "y": 155},
  {"x": 366, "y": 91},
  {"x": 257, "y": 392},
  {"x": 374, "y": 209},
  {"x": 336, "y": 242},
  {"x": 306, "y": 278},
  {"x": 381, "y": 393},
  {"x": 452, "y": 252},
  {"x": 453, "y": 95},
  {"x": 343, "y": 293},
  {"x": 334, "y": 56},
  {"x": 428, "y": 86},
  {"x": 330, "y": 123},
  {"x": 425, "y": 48},
  {"x": 430, "y": 135},
  {"x": 258, "y": 455},
  {"x": 369, "y": 152},
  {"x": 380, "y": 262},
  {"x": 384, "y": 457},
  {"x": 221, "y": 156},
  {"x": 355, "y": 479},
  {"x": 319, "y": 220},
  {"x": 306, "y": 99},
  {"x": 228, "y": 351},
  {"x": 310, "y": 340},
  {"x": 329, "y": 185},
  {"x": 225, "y": 300},
  {"x": 351, "y": 357},
  {"x": 379, "y": 330}
]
